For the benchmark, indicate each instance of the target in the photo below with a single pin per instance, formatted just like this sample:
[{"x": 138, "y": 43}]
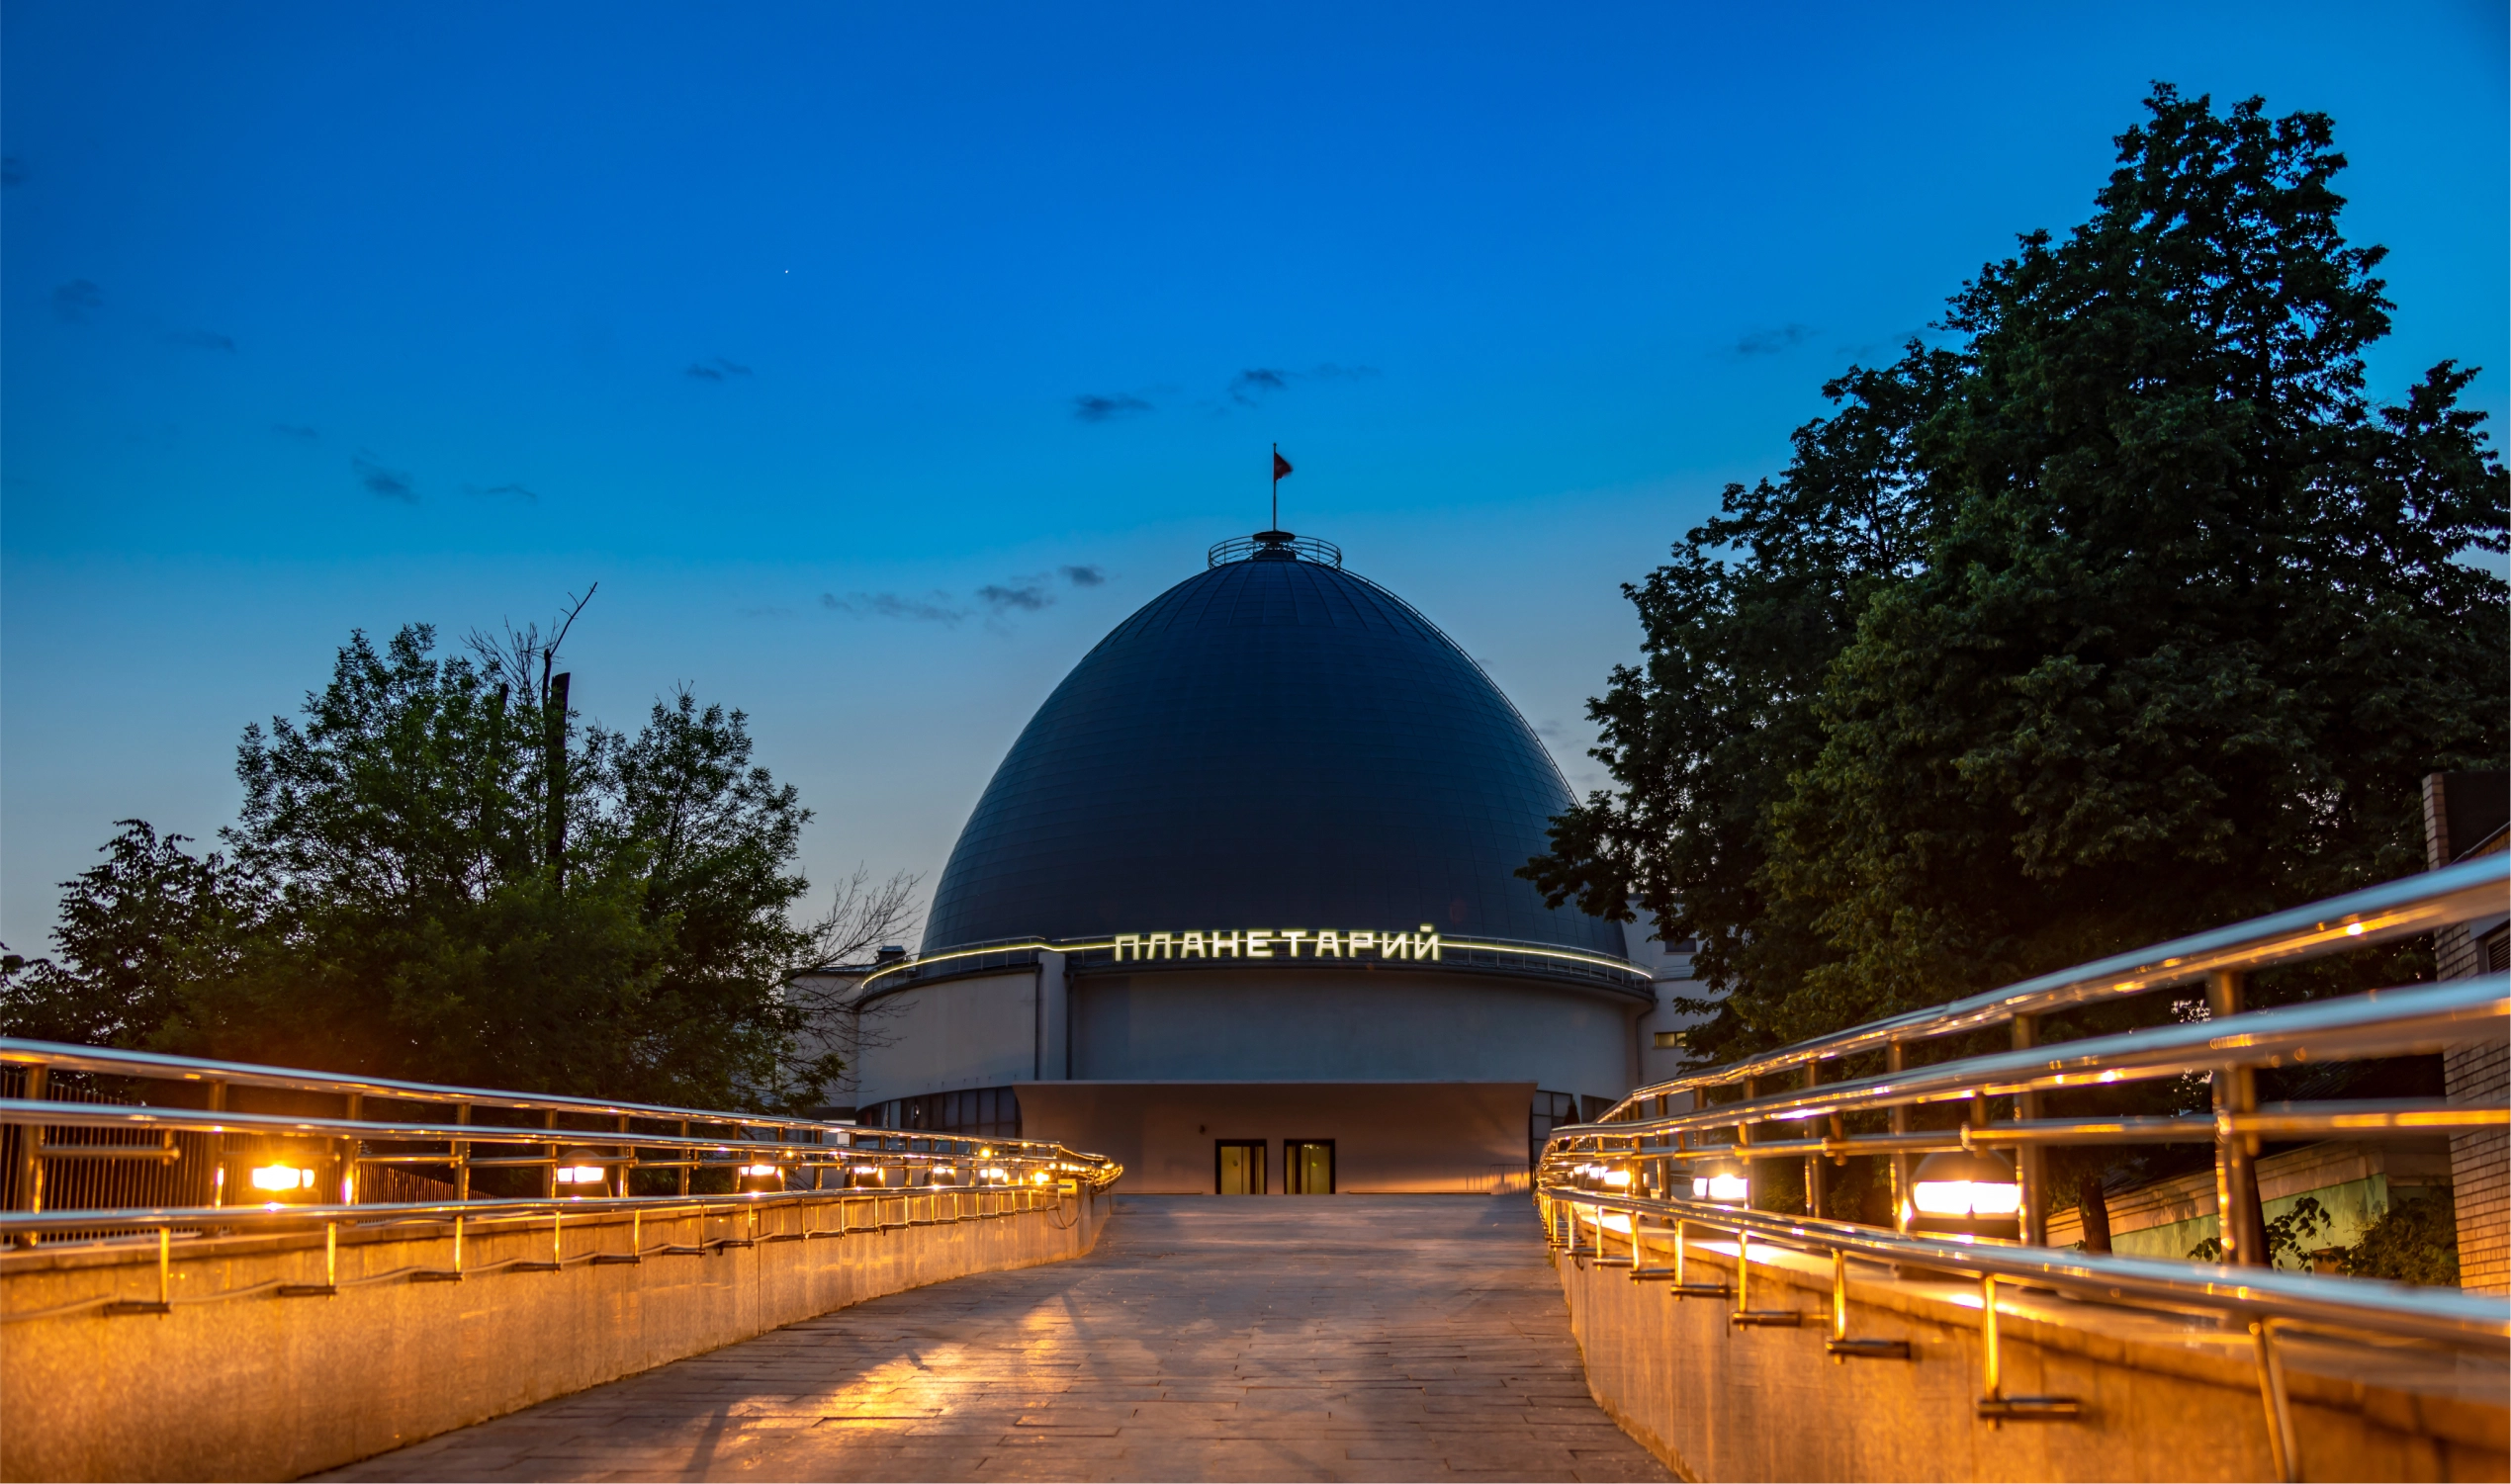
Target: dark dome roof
[{"x": 1274, "y": 742}]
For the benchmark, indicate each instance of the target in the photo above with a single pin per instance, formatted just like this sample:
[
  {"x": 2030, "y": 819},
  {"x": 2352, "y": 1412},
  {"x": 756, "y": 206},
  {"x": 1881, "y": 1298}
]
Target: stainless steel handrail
[
  {"x": 188, "y": 1167},
  {"x": 2394, "y": 910},
  {"x": 1624, "y": 1168},
  {"x": 2384, "y": 1022},
  {"x": 2444, "y": 1315},
  {"x": 159, "y": 1067},
  {"x": 19, "y": 1110}
]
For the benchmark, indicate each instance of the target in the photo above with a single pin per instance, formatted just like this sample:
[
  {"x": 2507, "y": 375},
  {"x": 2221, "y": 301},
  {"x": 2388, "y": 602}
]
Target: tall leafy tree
[
  {"x": 2186, "y": 618},
  {"x": 433, "y": 876}
]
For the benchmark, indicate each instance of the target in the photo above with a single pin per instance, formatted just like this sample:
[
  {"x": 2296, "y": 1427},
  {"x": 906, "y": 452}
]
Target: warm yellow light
[
  {"x": 995, "y": 1174},
  {"x": 282, "y": 1177},
  {"x": 758, "y": 1172},
  {"x": 579, "y": 1174},
  {"x": 1724, "y": 1188},
  {"x": 1966, "y": 1199},
  {"x": 1619, "y": 1179},
  {"x": 1038, "y": 1178}
]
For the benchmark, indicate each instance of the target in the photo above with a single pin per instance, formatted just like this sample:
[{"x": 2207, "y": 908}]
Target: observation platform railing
[
  {"x": 106, "y": 1148},
  {"x": 1628, "y": 1189}
]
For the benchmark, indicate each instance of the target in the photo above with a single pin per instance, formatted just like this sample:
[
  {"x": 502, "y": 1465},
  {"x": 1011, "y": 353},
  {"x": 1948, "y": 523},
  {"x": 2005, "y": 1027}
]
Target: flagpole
[{"x": 1277, "y": 486}]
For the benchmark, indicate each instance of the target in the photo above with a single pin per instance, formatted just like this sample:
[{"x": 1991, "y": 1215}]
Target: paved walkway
[{"x": 1348, "y": 1337}]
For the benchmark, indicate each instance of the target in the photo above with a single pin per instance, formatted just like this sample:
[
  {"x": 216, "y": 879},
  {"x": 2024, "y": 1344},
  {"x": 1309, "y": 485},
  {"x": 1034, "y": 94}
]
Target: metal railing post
[
  {"x": 1744, "y": 1139},
  {"x": 29, "y": 1180},
  {"x": 2240, "y": 1225},
  {"x": 1896, "y": 1059},
  {"x": 2031, "y": 1162},
  {"x": 1816, "y": 1186},
  {"x": 217, "y": 1144},
  {"x": 349, "y": 1150}
]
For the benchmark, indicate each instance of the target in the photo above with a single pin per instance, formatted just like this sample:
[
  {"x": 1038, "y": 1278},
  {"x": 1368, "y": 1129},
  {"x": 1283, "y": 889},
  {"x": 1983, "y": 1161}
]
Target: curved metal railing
[
  {"x": 1624, "y": 1190},
  {"x": 96, "y": 1148},
  {"x": 1280, "y": 545}
]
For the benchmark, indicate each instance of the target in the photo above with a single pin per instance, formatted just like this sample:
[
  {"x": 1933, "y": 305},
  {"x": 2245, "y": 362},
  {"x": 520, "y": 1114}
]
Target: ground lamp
[
  {"x": 759, "y": 1180},
  {"x": 1965, "y": 1194},
  {"x": 579, "y": 1173},
  {"x": 1722, "y": 1181},
  {"x": 281, "y": 1180}
]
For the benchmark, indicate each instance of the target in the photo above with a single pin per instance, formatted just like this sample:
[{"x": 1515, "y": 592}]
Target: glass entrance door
[
  {"x": 1239, "y": 1166},
  {"x": 1307, "y": 1167}
]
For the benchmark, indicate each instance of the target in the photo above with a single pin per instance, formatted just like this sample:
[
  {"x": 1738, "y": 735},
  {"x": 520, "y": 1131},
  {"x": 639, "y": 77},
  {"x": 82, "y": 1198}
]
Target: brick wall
[
  {"x": 2479, "y": 1072},
  {"x": 2480, "y": 1168}
]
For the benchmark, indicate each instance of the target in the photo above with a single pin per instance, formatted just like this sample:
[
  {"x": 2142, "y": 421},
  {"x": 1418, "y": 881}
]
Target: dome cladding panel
[{"x": 1270, "y": 744}]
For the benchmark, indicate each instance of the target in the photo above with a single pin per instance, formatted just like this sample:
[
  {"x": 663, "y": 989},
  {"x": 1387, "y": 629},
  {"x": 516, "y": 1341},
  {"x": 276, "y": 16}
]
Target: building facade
[{"x": 1241, "y": 908}]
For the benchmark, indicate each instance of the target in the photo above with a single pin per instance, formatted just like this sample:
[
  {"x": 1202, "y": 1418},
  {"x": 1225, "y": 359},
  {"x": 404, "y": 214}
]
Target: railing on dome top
[
  {"x": 1278, "y": 543},
  {"x": 1630, "y": 1188},
  {"x": 1507, "y": 955},
  {"x": 100, "y": 1147}
]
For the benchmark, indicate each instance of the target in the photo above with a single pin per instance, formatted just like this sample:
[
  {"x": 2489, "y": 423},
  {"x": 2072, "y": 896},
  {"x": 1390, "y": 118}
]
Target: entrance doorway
[
  {"x": 1239, "y": 1166},
  {"x": 1307, "y": 1167}
]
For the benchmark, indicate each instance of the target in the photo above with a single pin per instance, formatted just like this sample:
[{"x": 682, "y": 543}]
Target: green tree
[
  {"x": 140, "y": 928},
  {"x": 432, "y": 878},
  {"x": 2177, "y": 621}
]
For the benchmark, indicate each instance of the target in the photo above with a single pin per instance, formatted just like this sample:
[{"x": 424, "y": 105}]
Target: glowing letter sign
[{"x": 1282, "y": 942}]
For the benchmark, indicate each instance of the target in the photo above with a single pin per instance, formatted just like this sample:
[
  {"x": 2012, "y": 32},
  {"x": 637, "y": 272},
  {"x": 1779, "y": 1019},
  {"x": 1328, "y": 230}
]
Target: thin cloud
[
  {"x": 386, "y": 483},
  {"x": 1089, "y": 406},
  {"x": 715, "y": 368},
  {"x": 1771, "y": 342},
  {"x": 299, "y": 434},
  {"x": 12, "y": 171},
  {"x": 1257, "y": 382},
  {"x": 1251, "y": 385},
  {"x": 1085, "y": 576},
  {"x": 933, "y": 608},
  {"x": 1025, "y": 597},
  {"x": 202, "y": 340},
  {"x": 77, "y": 300},
  {"x": 501, "y": 492}
]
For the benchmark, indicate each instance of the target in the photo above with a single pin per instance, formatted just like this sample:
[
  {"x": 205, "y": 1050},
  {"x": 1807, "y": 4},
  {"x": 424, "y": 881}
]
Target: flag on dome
[{"x": 1281, "y": 465}]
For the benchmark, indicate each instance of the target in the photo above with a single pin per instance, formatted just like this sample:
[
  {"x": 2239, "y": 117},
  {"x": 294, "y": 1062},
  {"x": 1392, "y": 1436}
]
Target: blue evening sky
[{"x": 845, "y": 347}]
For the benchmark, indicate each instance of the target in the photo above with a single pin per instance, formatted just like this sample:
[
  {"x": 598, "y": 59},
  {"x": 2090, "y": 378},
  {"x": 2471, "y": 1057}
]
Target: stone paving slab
[{"x": 1340, "y": 1338}]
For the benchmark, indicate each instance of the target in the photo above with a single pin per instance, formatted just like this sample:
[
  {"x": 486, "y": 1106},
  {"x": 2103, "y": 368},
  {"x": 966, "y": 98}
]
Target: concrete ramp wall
[
  {"x": 265, "y": 1386},
  {"x": 2163, "y": 1396}
]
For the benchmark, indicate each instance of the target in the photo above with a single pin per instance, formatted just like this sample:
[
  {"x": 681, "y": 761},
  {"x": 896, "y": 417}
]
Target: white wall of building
[
  {"x": 1669, "y": 964},
  {"x": 1246, "y": 1026}
]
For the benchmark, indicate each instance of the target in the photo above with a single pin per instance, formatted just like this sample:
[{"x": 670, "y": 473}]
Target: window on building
[
  {"x": 1239, "y": 1166},
  {"x": 1307, "y": 1167},
  {"x": 1551, "y": 1110},
  {"x": 985, "y": 1113}
]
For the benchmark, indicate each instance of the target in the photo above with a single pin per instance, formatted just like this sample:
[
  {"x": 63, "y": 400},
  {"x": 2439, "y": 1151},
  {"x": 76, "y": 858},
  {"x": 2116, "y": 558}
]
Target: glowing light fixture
[
  {"x": 1724, "y": 1182},
  {"x": 279, "y": 1179},
  {"x": 1965, "y": 1193}
]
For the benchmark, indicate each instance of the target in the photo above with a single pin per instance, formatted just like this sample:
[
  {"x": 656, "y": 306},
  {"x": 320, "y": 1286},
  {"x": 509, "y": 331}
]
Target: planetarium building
[{"x": 1240, "y": 910}]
